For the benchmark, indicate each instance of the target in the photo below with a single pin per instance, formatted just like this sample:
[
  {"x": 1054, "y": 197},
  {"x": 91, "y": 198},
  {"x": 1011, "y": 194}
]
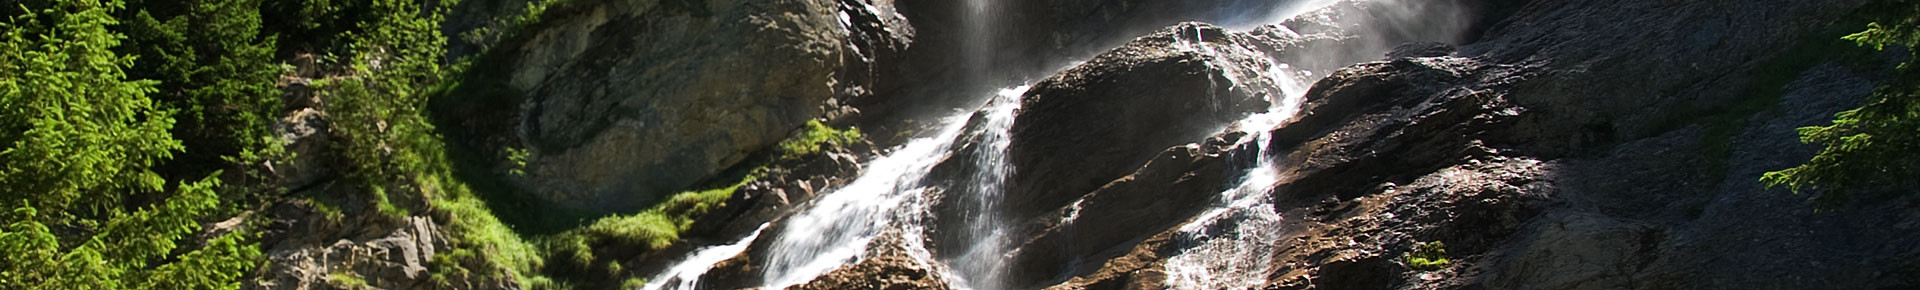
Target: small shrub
[{"x": 517, "y": 160}]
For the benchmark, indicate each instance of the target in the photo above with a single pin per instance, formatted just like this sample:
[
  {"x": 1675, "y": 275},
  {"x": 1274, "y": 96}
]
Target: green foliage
[
  {"x": 810, "y": 139},
  {"x": 216, "y": 66},
  {"x": 80, "y": 140},
  {"x": 219, "y": 265},
  {"x": 77, "y": 134},
  {"x": 396, "y": 61},
  {"x": 346, "y": 281},
  {"x": 517, "y": 159},
  {"x": 1872, "y": 144},
  {"x": 633, "y": 283},
  {"x": 1427, "y": 256},
  {"x": 650, "y": 230}
]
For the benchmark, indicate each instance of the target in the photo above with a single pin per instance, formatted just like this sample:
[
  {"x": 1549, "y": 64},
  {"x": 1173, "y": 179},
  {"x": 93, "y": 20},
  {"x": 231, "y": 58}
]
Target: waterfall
[
  {"x": 1233, "y": 241},
  {"x": 834, "y": 229},
  {"x": 686, "y": 273},
  {"x": 1228, "y": 246},
  {"x": 981, "y": 264}
]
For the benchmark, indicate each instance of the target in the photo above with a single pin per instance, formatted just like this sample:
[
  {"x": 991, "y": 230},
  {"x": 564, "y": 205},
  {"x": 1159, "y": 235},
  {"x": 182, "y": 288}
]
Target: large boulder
[
  {"x": 1099, "y": 121},
  {"x": 624, "y": 102}
]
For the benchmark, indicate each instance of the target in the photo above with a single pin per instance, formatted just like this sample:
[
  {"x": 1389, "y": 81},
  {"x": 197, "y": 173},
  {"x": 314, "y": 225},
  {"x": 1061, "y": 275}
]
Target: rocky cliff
[
  {"x": 1544, "y": 144},
  {"x": 1577, "y": 145},
  {"x": 622, "y": 102}
]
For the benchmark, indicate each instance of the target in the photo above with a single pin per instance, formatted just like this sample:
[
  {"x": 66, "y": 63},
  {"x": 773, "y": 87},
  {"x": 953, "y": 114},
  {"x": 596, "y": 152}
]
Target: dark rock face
[
  {"x": 1105, "y": 224},
  {"x": 1553, "y": 160},
  {"x": 1120, "y": 223},
  {"x": 1096, "y": 122},
  {"x": 629, "y": 101}
]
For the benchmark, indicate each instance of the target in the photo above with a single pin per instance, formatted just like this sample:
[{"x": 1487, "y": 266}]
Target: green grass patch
[
  {"x": 650, "y": 230},
  {"x": 633, "y": 283},
  {"x": 814, "y": 137},
  {"x": 1427, "y": 256},
  {"x": 346, "y": 281}
]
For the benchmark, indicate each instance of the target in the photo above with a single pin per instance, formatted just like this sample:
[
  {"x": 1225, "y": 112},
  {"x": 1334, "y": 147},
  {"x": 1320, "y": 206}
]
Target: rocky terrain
[{"x": 1549, "y": 144}]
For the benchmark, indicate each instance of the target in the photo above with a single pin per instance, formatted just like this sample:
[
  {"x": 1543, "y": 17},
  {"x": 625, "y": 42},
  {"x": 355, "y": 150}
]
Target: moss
[
  {"x": 346, "y": 281},
  {"x": 633, "y": 283},
  {"x": 1427, "y": 256},
  {"x": 597, "y": 245},
  {"x": 812, "y": 138}
]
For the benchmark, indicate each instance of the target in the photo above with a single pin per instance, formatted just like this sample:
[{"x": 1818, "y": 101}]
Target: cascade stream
[{"x": 896, "y": 192}]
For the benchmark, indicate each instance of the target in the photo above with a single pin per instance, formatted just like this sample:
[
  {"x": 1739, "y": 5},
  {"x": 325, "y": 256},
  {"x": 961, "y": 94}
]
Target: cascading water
[
  {"x": 686, "y": 273},
  {"x": 836, "y": 228},
  {"x": 1231, "y": 240},
  {"x": 1229, "y": 244},
  {"x": 981, "y": 265},
  {"x": 1233, "y": 237}
]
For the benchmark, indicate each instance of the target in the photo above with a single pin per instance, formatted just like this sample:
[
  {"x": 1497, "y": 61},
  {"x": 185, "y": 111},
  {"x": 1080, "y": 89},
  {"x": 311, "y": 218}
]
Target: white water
[
  {"x": 686, "y": 273},
  {"x": 835, "y": 229},
  {"x": 982, "y": 264},
  {"x": 1235, "y": 238},
  {"x": 1231, "y": 244}
]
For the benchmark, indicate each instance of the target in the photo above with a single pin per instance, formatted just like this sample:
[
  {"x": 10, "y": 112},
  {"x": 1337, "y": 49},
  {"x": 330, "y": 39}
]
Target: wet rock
[
  {"x": 1422, "y": 49},
  {"x": 1106, "y": 224},
  {"x": 888, "y": 265},
  {"x": 1099, "y": 121},
  {"x": 1115, "y": 224},
  {"x": 1546, "y": 165}
]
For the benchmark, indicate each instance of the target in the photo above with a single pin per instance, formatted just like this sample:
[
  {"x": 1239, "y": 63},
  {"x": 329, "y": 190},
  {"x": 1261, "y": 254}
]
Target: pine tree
[
  {"x": 215, "y": 66},
  {"x": 1873, "y": 144},
  {"x": 77, "y": 140}
]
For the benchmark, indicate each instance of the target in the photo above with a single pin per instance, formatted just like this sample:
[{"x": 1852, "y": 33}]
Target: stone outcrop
[
  {"x": 395, "y": 257},
  {"x": 623, "y": 102},
  {"x": 1096, "y": 122},
  {"x": 888, "y": 265}
]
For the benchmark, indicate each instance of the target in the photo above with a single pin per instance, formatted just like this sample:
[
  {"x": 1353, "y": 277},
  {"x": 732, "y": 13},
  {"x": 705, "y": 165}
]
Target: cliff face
[
  {"x": 1548, "y": 144},
  {"x": 626, "y": 101}
]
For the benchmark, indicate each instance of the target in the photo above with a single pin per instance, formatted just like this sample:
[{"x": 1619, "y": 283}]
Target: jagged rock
[
  {"x": 1099, "y": 121},
  {"x": 888, "y": 265},
  {"x": 1422, "y": 49},
  {"x": 964, "y": 50},
  {"x": 1118, "y": 227},
  {"x": 305, "y": 135},
  {"x": 628, "y": 101},
  {"x": 1548, "y": 160},
  {"x": 396, "y": 259},
  {"x": 1105, "y": 224}
]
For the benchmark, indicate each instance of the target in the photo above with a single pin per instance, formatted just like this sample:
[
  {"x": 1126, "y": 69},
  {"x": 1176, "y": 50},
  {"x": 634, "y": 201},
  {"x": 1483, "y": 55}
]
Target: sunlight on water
[{"x": 685, "y": 275}]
